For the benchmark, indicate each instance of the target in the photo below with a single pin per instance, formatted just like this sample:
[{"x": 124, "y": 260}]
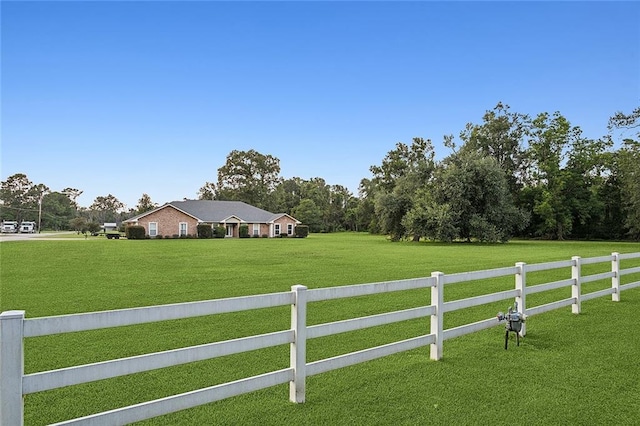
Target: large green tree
[
  {"x": 628, "y": 161},
  {"x": 145, "y": 204},
  {"x": 21, "y": 198},
  {"x": 105, "y": 209},
  {"x": 551, "y": 137},
  {"x": 309, "y": 214},
  {"x": 395, "y": 183},
  {"x": 468, "y": 199},
  {"x": 57, "y": 211},
  {"x": 502, "y": 137},
  {"x": 249, "y": 176}
]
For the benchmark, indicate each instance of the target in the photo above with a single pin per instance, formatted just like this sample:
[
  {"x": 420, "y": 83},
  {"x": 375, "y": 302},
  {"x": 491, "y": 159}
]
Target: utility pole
[{"x": 40, "y": 210}]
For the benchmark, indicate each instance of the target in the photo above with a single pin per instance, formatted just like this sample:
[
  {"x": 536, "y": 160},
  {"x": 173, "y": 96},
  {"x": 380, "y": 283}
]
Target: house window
[
  {"x": 256, "y": 229},
  {"x": 182, "y": 230},
  {"x": 153, "y": 229},
  {"x": 277, "y": 229},
  {"x": 290, "y": 228}
]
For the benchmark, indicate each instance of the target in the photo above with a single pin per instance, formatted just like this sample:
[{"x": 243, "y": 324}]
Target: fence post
[
  {"x": 576, "y": 307},
  {"x": 521, "y": 286},
  {"x": 298, "y": 349},
  {"x": 615, "y": 280},
  {"x": 11, "y": 368},
  {"x": 437, "y": 296}
]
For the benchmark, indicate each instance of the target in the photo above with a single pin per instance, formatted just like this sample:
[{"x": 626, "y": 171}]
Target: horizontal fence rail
[
  {"x": 121, "y": 317},
  {"x": 14, "y": 328}
]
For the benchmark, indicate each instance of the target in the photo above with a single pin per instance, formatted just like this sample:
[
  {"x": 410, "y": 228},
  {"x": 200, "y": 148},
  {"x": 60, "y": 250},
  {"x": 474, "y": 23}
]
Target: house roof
[{"x": 218, "y": 211}]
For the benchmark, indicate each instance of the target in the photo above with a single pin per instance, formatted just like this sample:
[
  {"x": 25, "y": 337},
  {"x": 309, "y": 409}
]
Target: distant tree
[
  {"x": 627, "y": 159},
  {"x": 78, "y": 224},
  {"x": 501, "y": 136},
  {"x": 288, "y": 195},
  {"x": 57, "y": 210},
  {"x": 308, "y": 213},
  {"x": 93, "y": 227},
  {"x": 249, "y": 176},
  {"x": 367, "y": 220},
  {"x": 620, "y": 120},
  {"x": 551, "y": 138},
  {"x": 470, "y": 198},
  {"x": 145, "y": 204},
  {"x": 390, "y": 208},
  {"x": 105, "y": 209},
  {"x": 207, "y": 192},
  {"x": 19, "y": 199},
  {"x": 72, "y": 193},
  {"x": 395, "y": 183},
  {"x": 629, "y": 175}
]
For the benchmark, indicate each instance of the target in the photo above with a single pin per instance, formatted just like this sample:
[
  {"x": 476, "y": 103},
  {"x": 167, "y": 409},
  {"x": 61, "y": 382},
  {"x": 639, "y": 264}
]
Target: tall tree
[
  {"x": 288, "y": 195},
  {"x": 501, "y": 136},
  {"x": 57, "y": 210},
  {"x": 249, "y": 176},
  {"x": 207, "y": 191},
  {"x": 628, "y": 157},
  {"x": 550, "y": 139},
  {"x": 309, "y": 214},
  {"x": 20, "y": 198},
  {"x": 469, "y": 199},
  {"x": 72, "y": 193},
  {"x": 403, "y": 172},
  {"x": 145, "y": 204},
  {"x": 105, "y": 209}
]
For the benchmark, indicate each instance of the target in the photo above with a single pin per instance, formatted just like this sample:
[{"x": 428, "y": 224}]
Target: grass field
[{"x": 577, "y": 369}]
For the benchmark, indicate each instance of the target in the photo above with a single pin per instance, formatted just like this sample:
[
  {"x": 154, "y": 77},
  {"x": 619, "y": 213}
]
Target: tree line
[
  {"x": 22, "y": 200},
  {"x": 511, "y": 175}
]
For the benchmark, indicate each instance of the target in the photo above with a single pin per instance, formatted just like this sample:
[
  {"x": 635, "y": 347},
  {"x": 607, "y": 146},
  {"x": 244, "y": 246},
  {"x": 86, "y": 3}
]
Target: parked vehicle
[
  {"x": 27, "y": 227},
  {"x": 9, "y": 226},
  {"x": 113, "y": 234}
]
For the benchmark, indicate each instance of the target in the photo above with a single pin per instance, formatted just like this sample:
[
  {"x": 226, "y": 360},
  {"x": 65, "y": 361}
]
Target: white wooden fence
[{"x": 14, "y": 384}]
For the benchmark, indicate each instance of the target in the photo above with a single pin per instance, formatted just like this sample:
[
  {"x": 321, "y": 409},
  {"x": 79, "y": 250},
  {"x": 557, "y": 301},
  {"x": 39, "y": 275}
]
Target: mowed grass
[{"x": 577, "y": 369}]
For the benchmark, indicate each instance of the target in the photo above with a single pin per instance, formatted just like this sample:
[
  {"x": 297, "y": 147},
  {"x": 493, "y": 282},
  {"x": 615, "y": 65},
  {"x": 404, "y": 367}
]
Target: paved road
[{"x": 24, "y": 237}]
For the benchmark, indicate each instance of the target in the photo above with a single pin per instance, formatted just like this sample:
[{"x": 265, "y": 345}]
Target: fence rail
[{"x": 14, "y": 328}]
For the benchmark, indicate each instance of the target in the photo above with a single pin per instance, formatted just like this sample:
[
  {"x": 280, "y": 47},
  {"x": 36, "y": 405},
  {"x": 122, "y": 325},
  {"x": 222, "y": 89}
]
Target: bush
[
  {"x": 135, "y": 232},
  {"x": 219, "y": 232},
  {"x": 243, "y": 231},
  {"x": 166, "y": 237},
  {"x": 205, "y": 231},
  {"x": 302, "y": 231},
  {"x": 158, "y": 237},
  {"x": 283, "y": 235},
  {"x": 265, "y": 236},
  {"x": 255, "y": 236}
]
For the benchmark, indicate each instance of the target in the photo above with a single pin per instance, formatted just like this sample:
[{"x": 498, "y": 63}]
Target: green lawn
[{"x": 578, "y": 369}]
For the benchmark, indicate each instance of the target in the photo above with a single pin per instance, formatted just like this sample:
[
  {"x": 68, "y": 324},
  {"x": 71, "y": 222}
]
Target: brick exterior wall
[
  {"x": 284, "y": 221},
  {"x": 168, "y": 219}
]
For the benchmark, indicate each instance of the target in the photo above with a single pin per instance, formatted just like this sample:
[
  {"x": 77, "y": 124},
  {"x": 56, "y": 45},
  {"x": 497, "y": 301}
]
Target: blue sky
[{"x": 127, "y": 98}]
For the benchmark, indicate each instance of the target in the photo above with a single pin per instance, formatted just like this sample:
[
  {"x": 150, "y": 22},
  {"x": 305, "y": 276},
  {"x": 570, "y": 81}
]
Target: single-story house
[{"x": 183, "y": 218}]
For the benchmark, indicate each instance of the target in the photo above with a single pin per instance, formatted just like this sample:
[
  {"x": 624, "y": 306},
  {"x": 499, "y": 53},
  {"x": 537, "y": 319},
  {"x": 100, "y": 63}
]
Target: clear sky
[{"x": 127, "y": 98}]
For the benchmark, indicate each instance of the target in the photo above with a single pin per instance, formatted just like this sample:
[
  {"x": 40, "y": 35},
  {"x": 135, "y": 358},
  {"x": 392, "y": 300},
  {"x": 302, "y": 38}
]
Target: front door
[{"x": 229, "y": 231}]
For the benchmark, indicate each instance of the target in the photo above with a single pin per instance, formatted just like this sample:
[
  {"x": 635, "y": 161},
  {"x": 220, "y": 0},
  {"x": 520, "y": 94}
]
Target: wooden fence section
[{"x": 14, "y": 328}]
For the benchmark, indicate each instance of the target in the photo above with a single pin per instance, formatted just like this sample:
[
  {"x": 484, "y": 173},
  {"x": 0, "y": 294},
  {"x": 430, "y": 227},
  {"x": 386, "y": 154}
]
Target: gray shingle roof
[{"x": 217, "y": 211}]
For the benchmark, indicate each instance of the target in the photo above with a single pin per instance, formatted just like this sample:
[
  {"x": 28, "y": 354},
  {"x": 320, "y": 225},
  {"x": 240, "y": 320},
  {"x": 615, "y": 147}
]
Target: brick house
[{"x": 183, "y": 218}]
